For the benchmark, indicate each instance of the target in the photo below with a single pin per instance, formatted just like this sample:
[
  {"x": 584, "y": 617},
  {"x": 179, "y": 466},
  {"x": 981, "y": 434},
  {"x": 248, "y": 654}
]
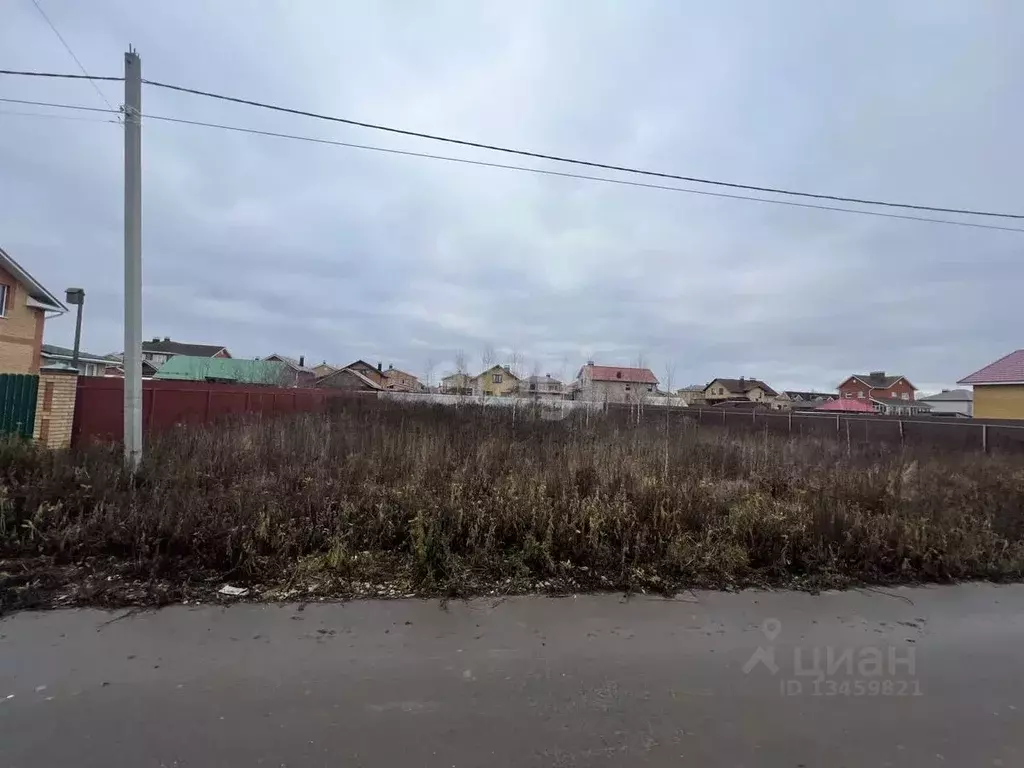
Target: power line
[
  {"x": 60, "y": 106},
  {"x": 565, "y": 174},
  {"x": 589, "y": 163},
  {"x": 19, "y": 113},
  {"x": 58, "y": 75},
  {"x": 526, "y": 169},
  {"x": 67, "y": 47}
]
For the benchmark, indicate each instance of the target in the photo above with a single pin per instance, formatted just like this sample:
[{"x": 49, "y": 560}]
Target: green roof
[{"x": 228, "y": 369}]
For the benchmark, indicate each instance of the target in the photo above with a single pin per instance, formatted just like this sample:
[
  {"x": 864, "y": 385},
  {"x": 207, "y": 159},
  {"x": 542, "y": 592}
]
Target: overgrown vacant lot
[{"x": 383, "y": 499}]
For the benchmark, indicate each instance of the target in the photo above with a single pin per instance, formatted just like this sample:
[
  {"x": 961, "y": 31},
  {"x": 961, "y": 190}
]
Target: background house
[
  {"x": 999, "y": 388},
  {"x": 300, "y": 374},
  {"x": 692, "y": 395},
  {"x": 159, "y": 351},
  {"x": 892, "y": 395},
  {"x": 374, "y": 373},
  {"x": 541, "y": 387},
  {"x": 613, "y": 384},
  {"x": 742, "y": 388},
  {"x": 457, "y": 384},
  {"x": 323, "y": 369},
  {"x": 24, "y": 307},
  {"x": 88, "y": 364},
  {"x": 400, "y": 381},
  {"x": 795, "y": 400},
  {"x": 951, "y": 402},
  {"x": 496, "y": 381},
  {"x": 271, "y": 373},
  {"x": 350, "y": 379}
]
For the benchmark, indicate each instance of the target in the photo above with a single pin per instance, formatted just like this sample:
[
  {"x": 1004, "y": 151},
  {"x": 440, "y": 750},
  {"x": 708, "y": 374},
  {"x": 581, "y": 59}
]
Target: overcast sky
[{"x": 268, "y": 245}]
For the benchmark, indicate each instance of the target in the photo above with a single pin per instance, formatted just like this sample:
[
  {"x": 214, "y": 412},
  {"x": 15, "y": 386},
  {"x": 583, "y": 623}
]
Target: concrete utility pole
[
  {"x": 76, "y": 297},
  {"x": 132, "y": 259}
]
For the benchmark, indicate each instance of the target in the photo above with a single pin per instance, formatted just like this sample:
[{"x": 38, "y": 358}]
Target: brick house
[
  {"x": 24, "y": 307},
  {"x": 613, "y": 384},
  {"x": 888, "y": 394}
]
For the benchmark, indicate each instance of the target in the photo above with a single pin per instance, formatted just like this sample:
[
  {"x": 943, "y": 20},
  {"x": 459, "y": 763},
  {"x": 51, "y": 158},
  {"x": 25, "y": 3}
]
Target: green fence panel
[{"x": 18, "y": 393}]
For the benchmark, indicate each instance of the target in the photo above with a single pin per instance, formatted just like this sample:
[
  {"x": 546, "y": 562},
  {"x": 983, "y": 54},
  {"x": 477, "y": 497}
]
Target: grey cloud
[{"x": 270, "y": 245}]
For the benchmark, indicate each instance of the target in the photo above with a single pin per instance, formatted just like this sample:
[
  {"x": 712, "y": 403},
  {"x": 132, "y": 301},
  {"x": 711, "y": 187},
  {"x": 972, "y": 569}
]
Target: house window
[
  {"x": 721, "y": 391},
  {"x": 627, "y": 387},
  {"x": 496, "y": 378},
  {"x": 650, "y": 389},
  {"x": 848, "y": 395},
  {"x": 905, "y": 396},
  {"x": 5, "y": 291},
  {"x": 860, "y": 395},
  {"x": 488, "y": 393}
]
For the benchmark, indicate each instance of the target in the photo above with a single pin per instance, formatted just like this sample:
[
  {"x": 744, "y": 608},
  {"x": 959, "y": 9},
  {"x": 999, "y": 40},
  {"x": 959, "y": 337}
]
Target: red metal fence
[{"x": 99, "y": 404}]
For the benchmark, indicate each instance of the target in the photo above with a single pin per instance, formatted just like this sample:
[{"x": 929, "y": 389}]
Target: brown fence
[
  {"x": 99, "y": 405},
  {"x": 952, "y": 434}
]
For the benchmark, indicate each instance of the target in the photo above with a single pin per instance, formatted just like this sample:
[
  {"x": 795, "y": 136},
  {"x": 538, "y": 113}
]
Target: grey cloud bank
[{"x": 269, "y": 245}]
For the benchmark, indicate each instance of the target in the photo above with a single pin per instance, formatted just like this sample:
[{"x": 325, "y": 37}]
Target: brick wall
[
  {"x": 21, "y": 330},
  {"x": 854, "y": 387},
  {"x": 55, "y": 408}
]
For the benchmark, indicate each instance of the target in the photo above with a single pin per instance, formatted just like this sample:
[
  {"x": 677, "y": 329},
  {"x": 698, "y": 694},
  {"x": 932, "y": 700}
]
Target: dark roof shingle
[
  {"x": 744, "y": 385},
  {"x": 167, "y": 347}
]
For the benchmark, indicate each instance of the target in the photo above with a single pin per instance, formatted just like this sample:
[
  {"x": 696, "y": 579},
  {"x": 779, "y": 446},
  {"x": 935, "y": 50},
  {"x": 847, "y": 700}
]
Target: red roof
[
  {"x": 612, "y": 373},
  {"x": 846, "y": 404},
  {"x": 1003, "y": 371}
]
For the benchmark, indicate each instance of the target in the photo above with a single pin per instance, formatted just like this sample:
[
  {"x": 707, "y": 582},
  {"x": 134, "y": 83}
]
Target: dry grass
[{"x": 385, "y": 499}]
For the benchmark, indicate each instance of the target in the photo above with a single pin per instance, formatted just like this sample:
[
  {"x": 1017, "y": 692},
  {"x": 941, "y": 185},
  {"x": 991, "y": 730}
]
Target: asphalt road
[{"x": 587, "y": 681}]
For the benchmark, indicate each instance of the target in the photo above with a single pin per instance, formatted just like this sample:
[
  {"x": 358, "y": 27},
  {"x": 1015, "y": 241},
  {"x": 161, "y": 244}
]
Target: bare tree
[
  {"x": 515, "y": 362},
  {"x": 670, "y": 374},
  {"x": 428, "y": 373},
  {"x": 488, "y": 356},
  {"x": 534, "y": 382},
  {"x": 461, "y": 373}
]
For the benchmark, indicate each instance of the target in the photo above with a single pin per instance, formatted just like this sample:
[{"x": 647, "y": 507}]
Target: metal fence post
[
  {"x": 791, "y": 422},
  {"x": 901, "y": 432},
  {"x": 984, "y": 438},
  {"x": 838, "y": 425}
]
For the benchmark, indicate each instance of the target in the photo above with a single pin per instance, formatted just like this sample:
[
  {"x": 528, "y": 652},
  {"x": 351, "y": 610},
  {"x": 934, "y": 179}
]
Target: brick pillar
[{"x": 55, "y": 405}]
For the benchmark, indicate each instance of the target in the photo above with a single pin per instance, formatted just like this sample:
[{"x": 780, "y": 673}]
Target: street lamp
[{"x": 76, "y": 297}]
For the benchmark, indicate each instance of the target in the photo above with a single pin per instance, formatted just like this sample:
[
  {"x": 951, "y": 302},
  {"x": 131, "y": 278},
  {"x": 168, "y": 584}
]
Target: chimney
[
  {"x": 302, "y": 361},
  {"x": 877, "y": 374},
  {"x": 156, "y": 339},
  {"x": 391, "y": 366},
  {"x": 590, "y": 362},
  {"x": 167, "y": 338},
  {"x": 380, "y": 367}
]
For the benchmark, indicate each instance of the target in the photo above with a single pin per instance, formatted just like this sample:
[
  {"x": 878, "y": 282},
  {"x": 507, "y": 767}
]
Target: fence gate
[{"x": 18, "y": 403}]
